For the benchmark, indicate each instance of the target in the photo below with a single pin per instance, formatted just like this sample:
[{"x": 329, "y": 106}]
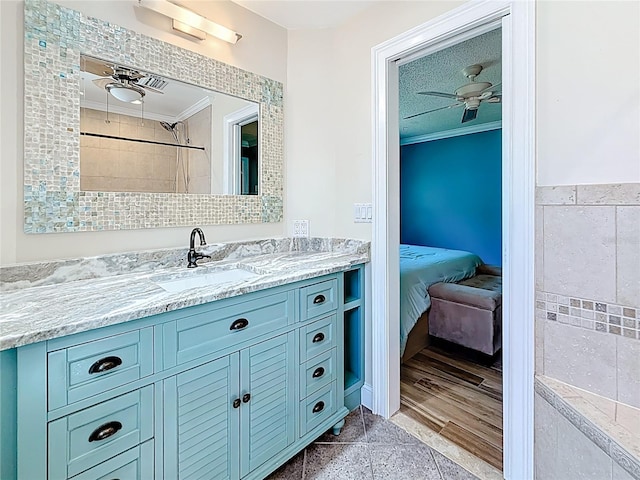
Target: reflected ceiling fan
[
  {"x": 124, "y": 84},
  {"x": 470, "y": 95}
]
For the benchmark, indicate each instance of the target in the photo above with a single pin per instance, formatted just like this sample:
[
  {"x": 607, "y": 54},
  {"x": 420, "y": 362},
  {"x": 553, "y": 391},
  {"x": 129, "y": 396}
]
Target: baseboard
[{"x": 366, "y": 396}]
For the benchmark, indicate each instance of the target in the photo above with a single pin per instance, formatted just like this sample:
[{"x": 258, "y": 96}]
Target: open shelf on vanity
[{"x": 353, "y": 328}]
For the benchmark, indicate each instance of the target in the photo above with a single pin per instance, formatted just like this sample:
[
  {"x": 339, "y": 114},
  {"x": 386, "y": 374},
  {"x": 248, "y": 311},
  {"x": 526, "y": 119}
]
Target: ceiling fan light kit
[
  {"x": 125, "y": 92},
  {"x": 122, "y": 83},
  {"x": 470, "y": 95}
]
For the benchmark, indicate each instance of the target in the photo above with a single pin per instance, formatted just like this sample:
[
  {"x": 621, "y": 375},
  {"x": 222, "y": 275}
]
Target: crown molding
[
  {"x": 193, "y": 109},
  {"x": 456, "y": 132}
]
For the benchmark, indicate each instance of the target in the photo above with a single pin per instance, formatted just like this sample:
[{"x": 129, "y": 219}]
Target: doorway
[
  {"x": 451, "y": 247},
  {"x": 518, "y": 145}
]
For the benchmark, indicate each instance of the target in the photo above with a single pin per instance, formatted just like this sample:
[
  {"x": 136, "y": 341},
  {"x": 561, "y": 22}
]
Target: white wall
[
  {"x": 588, "y": 92},
  {"x": 328, "y": 114},
  {"x": 263, "y": 50},
  {"x": 588, "y": 89}
]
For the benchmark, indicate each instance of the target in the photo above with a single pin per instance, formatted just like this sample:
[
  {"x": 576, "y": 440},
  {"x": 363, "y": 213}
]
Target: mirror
[
  {"x": 68, "y": 187},
  {"x": 141, "y": 132}
]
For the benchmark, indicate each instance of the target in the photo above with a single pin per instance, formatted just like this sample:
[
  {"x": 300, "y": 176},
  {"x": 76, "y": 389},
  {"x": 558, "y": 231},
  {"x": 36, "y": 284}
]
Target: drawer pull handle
[
  {"x": 319, "y": 299},
  {"x": 105, "y": 364},
  {"x": 239, "y": 324},
  {"x": 236, "y": 403},
  {"x": 318, "y": 407},
  {"x": 318, "y": 372},
  {"x": 246, "y": 397},
  {"x": 318, "y": 337},
  {"x": 105, "y": 431}
]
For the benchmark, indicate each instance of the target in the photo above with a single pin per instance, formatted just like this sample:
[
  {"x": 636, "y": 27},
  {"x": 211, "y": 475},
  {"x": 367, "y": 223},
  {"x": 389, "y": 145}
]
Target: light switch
[{"x": 362, "y": 212}]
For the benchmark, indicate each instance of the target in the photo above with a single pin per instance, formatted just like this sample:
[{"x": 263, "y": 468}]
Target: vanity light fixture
[{"x": 190, "y": 22}]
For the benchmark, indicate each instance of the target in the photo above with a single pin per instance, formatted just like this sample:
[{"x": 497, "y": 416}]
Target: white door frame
[{"x": 518, "y": 186}]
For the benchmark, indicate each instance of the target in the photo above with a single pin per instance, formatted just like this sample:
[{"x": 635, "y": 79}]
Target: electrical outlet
[
  {"x": 362, "y": 213},
  {"x": 304, "y": 228},
  {"x": 301, "y": 228}
]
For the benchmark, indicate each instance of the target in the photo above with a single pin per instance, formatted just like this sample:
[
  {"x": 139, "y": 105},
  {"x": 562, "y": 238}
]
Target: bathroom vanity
[{"x": 227, "y": 388}]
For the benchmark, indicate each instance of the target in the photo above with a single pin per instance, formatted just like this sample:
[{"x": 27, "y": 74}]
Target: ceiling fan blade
[
  {"x": 95, "y": 66},
  {"x": 434, "y": 110},
  {"x": 439, "y": 94},
  {"x": 494, "y": 99},
  {"x": 469, "y": 114}
]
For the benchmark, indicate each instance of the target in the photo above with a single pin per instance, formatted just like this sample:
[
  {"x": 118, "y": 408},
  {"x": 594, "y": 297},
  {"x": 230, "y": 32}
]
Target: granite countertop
[{"x": 56, "y": 307}]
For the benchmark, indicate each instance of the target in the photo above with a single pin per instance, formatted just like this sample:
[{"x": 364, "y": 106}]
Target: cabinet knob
[
  {"x": 105, "y": 364},
  {"x": 105, "y": 431},
  {"x": 318, "y": 337},
  {"x": 236, "y": 403},
  {"x": 239, "y": 324},
  {"x": 318, "y": 372},
  {"x": 246, "y": 397},
  {"x": 319, "y": 299},
  {"x": 318, "y": 407}
]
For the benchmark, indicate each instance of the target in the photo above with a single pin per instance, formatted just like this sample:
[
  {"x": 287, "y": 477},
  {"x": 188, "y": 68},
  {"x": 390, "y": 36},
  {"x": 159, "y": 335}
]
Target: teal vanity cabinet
[
  {"x": 227, "y": 417},
  {"x": 225, "y": 390}
]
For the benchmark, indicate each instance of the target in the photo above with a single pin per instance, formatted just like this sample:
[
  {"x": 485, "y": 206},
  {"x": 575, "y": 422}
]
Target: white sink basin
[{"x": 197, "y": 280}]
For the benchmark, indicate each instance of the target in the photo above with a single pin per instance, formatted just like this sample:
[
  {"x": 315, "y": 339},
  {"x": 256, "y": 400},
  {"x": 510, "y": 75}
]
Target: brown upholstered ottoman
[{"x": 469, "y": 312}]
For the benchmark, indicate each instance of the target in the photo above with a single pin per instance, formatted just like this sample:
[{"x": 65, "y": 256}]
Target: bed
[{"x": 421, "y": 267}]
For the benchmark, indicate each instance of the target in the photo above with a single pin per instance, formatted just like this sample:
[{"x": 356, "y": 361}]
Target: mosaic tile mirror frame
[{"x": 55, "y": 37}]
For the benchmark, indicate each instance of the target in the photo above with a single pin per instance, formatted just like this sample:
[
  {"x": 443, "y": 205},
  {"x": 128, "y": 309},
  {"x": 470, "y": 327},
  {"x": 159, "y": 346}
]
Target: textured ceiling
[{"x": 442, "y": 72}]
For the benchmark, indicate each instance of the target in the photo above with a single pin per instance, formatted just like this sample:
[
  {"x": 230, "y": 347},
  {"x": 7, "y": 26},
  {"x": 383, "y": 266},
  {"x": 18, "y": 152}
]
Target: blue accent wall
[{"x": 451, "y": 194}]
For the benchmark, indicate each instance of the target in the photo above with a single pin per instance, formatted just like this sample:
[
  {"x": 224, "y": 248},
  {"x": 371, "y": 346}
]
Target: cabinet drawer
[
  {"x": 317, "y": 337},
  {"x": 89, "y": 437},
  {"x": 91, "y": 368},
  {"x": 317, "y": 372},
  {"x": 316, "y": 408},
  {"x": 134, "y": 464},
  {"x": 318, "y": 299},
  {"x": 201, "y": 334}
]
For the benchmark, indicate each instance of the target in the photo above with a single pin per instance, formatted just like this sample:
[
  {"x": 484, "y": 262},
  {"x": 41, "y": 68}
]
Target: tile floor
[{"x": 370, "y": 448}]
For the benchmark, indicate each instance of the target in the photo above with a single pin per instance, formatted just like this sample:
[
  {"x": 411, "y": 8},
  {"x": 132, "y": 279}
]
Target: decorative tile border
[
  {"x": 589, "y": 314},
  {"x": 603, "y": 194},
  {"x": 54, "y": 39},
  {"x": 590, "y": 430}
]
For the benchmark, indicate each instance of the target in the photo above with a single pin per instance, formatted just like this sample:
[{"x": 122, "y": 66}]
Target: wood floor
[{"x": 459, "y": 399}]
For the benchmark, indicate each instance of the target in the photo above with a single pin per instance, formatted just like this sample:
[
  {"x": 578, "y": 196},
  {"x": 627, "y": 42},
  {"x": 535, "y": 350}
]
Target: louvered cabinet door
[
  {"x": 267, "y": 389},
  {"x": 201, "y": 422}
]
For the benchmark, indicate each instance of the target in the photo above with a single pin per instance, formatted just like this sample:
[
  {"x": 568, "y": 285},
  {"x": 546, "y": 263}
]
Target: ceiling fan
[
  {"x": 470, "y": 95},
  {"x": 124, "y": 84}
]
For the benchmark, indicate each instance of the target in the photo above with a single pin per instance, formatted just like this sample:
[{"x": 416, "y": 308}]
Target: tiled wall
[
  {"x": 199, "y": 127},
  {"x": 568, "y": 447},
  {"x": 588, "y": 288},
  {"x": 108, "y": 165}
]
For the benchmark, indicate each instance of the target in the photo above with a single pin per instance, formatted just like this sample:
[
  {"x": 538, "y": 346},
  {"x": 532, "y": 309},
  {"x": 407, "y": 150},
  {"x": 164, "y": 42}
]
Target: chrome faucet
[{"x": 194, "y": 256}]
